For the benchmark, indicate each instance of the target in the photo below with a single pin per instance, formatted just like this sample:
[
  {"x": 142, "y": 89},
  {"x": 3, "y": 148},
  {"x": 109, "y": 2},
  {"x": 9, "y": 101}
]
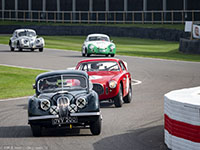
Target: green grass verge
[
  {"x": 167, "y": 26},
  {"x": 125, "y": 46},
  {"x": 16, "y": 82}
]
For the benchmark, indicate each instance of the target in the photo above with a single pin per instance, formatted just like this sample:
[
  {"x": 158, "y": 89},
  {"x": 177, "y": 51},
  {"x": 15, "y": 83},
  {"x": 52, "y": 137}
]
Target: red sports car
[{"x": 110, "y": 78}]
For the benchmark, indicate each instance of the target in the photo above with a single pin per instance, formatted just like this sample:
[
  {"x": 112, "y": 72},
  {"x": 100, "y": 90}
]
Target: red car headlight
[{"x": 112, "y": 84}]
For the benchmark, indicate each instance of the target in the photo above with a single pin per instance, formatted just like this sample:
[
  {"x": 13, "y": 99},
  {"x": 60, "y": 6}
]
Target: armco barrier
[
  {"x": 148, "y": 33},
  {"x": 182, "y": 119}
]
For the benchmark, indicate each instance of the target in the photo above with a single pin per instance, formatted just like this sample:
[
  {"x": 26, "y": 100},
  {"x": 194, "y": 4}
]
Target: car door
[{"x": 125, "y": 78}]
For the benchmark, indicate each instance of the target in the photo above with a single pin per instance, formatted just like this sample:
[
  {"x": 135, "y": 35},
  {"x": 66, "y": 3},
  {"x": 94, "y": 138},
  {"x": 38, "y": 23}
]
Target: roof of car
[
  {"x": 60, "y": 72},
  {"x": 100, "y": 59},
  {"x": 97, "y": 34},
  {"x": 21, "y": 30}
]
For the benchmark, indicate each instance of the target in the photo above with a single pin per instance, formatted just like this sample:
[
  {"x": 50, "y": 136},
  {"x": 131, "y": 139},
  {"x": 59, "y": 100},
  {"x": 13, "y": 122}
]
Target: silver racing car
[{"x": 26, "y": 39}]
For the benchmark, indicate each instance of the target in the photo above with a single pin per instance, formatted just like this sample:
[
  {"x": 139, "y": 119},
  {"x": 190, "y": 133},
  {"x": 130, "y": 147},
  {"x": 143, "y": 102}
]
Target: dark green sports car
[{"x": 64, "y": 99}]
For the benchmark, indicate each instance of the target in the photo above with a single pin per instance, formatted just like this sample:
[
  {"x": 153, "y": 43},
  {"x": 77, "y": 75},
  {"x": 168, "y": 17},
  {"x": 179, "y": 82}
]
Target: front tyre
[
  {"x": 83, "y": 52},
  {"x": 95, "y": 127},
  {"x": 118, "y": 100},
  {"x": 11, "y": 48},
  {"x": 18, "y": 46},
  {"x": 128, "y": 97},
  {"x": 112, "y": 55},
  {"x": 40, "y": 49},
  {"x": 36, "y": 130}
]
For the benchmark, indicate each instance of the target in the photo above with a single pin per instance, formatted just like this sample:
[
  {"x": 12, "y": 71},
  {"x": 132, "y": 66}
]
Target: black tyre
[
  {"x": 118, "y": 100},
  {"x": 107, "y": 55},
  {"x": 18, "y": 46},
  {"x": 83, "y": 54},
  {"x": 11, "y": 48},
  {"x": 88, "y": 55},
  {"x": 95, "y": 127},
  {"x": 128, "y": 97},
  {"x": 32, "y": 49},
  {"x": 36, "y": 130},
  {"x": 112, "y": 55},
  {"x": 40, "y": 49}
]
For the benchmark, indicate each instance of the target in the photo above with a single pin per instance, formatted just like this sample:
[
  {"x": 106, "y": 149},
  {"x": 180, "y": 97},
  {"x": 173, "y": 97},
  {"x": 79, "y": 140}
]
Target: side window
[{"x": 122, "y": 66}]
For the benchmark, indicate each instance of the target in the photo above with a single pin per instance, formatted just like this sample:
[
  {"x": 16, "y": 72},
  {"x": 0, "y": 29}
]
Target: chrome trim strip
[
  {"x": 85, "y": 114},
  {"x": 72, "y": 114},
  {"x": 43, "y": 117}
]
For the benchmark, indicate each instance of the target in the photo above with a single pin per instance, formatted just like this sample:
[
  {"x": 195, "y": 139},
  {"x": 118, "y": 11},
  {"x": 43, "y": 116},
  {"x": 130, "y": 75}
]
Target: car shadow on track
[
  {"x": 151, "y": 138},
  {"x": 106, "y": 104},
  {"x": 25, "y": 131},
  {"x": 15, "y": 131}
]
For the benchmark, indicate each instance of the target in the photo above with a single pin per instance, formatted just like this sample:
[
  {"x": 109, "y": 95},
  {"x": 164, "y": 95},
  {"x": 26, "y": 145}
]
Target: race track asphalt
[{"x": 135, "y": 126}]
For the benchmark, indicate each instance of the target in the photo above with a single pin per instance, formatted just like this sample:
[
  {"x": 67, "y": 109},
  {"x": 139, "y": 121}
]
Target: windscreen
[
  {"x": 27, "y": 33},
  {"x": 99, "y": 66},
  {"x": 61, "y": 82},
  {"x": 98, "y": 38}
]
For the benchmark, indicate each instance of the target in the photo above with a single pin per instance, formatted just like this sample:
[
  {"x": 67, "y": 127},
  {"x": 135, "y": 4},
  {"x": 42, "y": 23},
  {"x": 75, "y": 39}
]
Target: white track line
[{"x": 136, "y": 82}]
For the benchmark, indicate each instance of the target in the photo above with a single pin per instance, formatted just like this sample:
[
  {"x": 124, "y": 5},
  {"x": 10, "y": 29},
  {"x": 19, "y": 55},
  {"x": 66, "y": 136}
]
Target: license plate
[
  {"x": 102, "y": 50},
  {"x": 64, "y": 120}
]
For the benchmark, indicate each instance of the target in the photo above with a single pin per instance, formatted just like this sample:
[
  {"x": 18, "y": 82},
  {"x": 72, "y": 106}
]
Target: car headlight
[
  {"x": 72, "y": 108},
  {"x": 112, "y": 47},
  {"x": 91, "y": 47},
  {"x": 45, "y": 104},
  {"x": 112, "y": 84},
  {"x": 54, "y": 110},
  {"x": 37, "y": 41},
  {"x": 24, "y": 41},
  {"x": 81, "y": 102}
]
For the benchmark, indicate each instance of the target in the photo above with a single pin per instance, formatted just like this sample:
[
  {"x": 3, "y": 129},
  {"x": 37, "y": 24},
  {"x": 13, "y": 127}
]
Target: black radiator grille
[{"x": 98, "y": 88}]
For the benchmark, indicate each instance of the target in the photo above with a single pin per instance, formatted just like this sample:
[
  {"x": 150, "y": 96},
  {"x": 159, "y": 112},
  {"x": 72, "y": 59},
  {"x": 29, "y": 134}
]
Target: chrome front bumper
[{"x": 85, "y": 114}]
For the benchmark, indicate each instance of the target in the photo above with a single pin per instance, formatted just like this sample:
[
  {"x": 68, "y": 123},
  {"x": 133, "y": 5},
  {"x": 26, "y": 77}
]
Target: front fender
[
  {"x": 93, "y": 103},
  {"x": 34, "y": 107}
]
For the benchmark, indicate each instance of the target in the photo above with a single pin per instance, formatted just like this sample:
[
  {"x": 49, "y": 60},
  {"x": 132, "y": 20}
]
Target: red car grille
[{"x": 98, "y": 88}]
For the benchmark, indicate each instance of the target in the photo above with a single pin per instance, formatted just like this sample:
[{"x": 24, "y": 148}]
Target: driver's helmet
[{"x": 94, "y": 66}]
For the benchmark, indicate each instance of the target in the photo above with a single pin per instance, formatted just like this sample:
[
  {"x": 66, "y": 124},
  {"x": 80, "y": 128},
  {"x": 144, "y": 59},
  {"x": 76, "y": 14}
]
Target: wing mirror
[
  {"x": 111, "y": 41},
  {"x": 34, "y": 86}
]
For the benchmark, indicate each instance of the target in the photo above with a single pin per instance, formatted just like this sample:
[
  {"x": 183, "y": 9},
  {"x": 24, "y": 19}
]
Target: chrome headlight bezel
[
  {"x": 91, "y": 47},
  {"x": 54, "y": 110},
  {"x": 72, "y": 108},
  {"x": 45, "y": 104},
  {"x": 24, "y": 41},
  {"x": 37, "y": 41},
  {"x": 112, "y": 47},
  {"x": 112, "y": 84},
  {"x": 81, "y": 102}
]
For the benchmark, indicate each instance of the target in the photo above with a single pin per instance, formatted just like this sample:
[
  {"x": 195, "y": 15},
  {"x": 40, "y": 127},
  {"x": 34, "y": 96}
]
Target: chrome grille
[
  {"x": 98, "y": 88},
  {"x": 62, "y": 103}
]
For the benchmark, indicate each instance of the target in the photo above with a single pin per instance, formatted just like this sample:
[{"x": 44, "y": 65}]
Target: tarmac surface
[{"x": 138, "y": 125}]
